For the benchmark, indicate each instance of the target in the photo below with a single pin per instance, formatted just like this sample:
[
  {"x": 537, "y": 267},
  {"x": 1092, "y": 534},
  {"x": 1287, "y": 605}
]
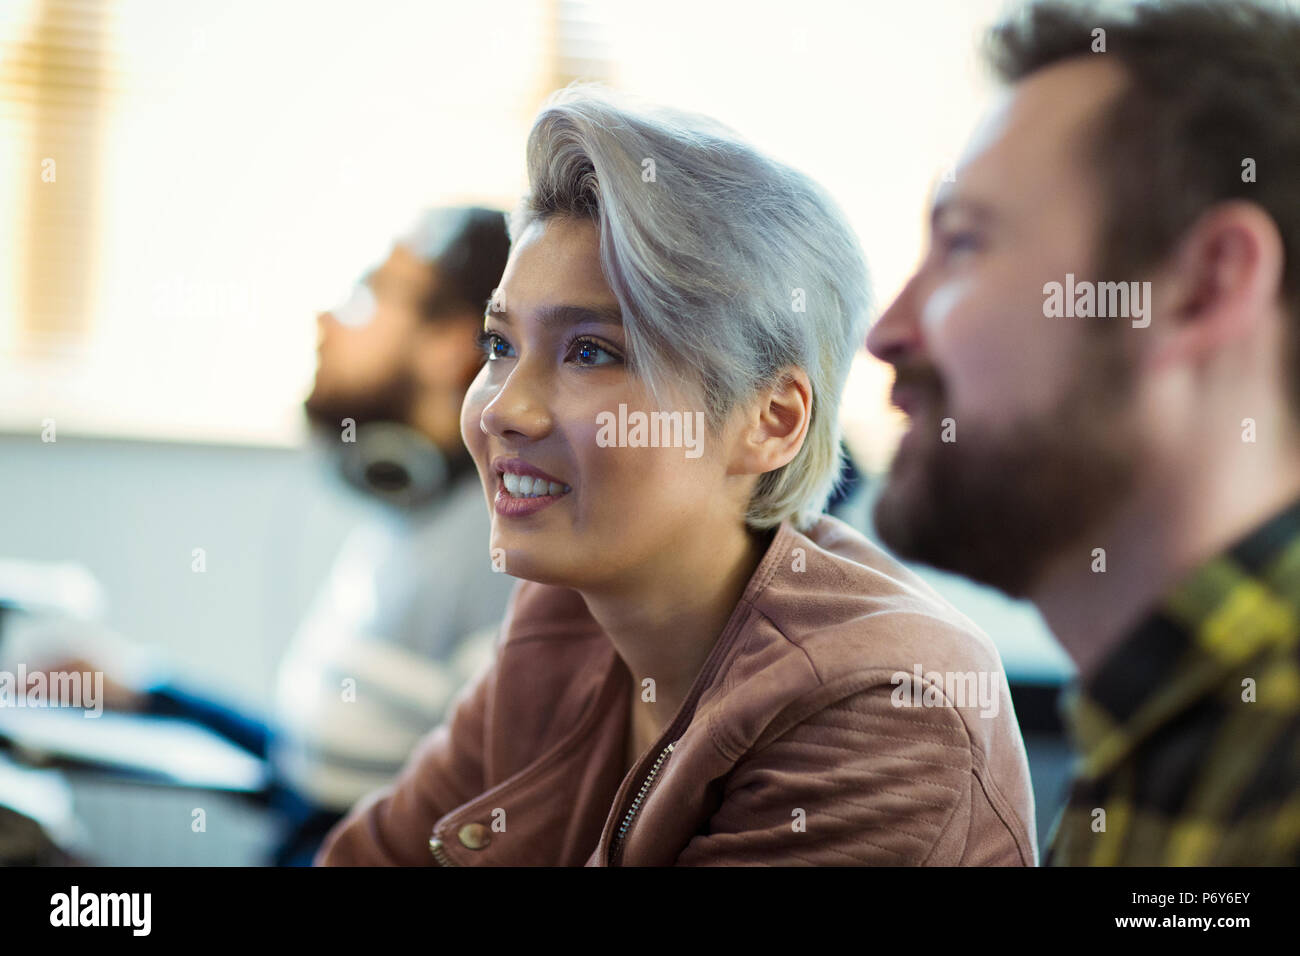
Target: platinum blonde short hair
[{"x": 728, "y": 267}]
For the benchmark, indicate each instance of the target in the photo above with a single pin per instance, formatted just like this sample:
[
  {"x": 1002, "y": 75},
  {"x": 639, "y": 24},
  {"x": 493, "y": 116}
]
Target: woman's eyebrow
[
  {"x": 573, "y": 314},
  {"x": 568, "y": 314}
]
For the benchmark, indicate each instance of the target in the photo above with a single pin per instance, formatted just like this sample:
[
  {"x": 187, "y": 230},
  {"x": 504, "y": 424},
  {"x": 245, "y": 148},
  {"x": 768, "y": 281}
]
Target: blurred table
[{"x": 173, "y": 752}]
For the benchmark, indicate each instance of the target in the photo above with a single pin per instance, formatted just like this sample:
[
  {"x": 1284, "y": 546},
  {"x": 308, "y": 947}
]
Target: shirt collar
[{"x": 1225, "y": 612}]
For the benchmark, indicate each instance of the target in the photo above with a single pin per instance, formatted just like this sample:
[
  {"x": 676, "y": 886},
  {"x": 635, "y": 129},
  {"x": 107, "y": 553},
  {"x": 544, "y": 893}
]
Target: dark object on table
[{"x": 24, "y": 843}]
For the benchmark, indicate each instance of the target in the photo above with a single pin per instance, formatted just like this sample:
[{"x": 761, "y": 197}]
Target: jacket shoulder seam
[
  {"x": 725, "y": 748},
  {"x": 1006, "y": 812}
]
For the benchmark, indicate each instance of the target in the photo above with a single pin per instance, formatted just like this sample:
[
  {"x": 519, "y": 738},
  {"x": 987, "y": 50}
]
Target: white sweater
[{"x": 407, "y": 615}]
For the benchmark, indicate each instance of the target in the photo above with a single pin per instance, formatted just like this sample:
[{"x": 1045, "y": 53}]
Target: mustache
[{"x": 919, "y": 380}]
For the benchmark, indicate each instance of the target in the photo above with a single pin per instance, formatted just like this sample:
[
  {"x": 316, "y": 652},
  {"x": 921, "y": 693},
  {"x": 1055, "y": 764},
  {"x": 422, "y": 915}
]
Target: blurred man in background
[
  {"x": 409, "y": 610},
  {"x": 1135, "y": 471},
  {"x": 411, "y": 607}
]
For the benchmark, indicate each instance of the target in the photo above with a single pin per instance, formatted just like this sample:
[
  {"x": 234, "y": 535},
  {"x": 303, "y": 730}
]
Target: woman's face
[{"x": 546, "y": 407}]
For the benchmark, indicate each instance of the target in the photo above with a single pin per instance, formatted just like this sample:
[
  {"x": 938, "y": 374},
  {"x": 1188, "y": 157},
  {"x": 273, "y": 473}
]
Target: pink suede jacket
[{"x": 847, "y": 715}]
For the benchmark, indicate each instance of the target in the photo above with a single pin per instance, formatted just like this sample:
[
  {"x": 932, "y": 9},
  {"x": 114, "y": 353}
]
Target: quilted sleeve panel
[{"x": 859, "y": 782}]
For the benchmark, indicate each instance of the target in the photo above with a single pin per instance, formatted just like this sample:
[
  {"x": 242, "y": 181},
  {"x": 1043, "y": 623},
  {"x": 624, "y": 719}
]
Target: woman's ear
[{"x": 776, "y": 424}]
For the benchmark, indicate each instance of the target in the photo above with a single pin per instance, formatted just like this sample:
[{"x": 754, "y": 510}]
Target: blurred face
[
  {"x": 365, "y": 357},
  {"x": 1019, "y": 440},
  {"x": 568, "y": 508}
]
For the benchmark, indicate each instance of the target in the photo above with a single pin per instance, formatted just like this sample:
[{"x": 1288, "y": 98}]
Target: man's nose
[
  {"x": 324, "y": 320},
  {"x": 896, "y": 333}
]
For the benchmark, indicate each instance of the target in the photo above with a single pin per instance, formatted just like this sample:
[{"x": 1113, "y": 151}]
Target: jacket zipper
[
  {"x": 435, "y": 847},
  {"x": 617, "y": 852},
  {"x": 686, "y": 714}
]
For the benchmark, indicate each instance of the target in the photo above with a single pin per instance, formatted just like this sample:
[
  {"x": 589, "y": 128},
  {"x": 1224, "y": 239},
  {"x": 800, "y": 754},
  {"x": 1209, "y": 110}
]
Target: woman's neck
[{"x": 665, "y": 623}]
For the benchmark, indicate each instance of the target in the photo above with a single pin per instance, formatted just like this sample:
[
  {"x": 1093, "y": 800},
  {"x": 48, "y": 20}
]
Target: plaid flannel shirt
[{"x": 1189, "y": 735}]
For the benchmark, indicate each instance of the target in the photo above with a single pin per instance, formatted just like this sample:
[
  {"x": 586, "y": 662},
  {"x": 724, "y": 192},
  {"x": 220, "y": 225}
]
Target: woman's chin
[{"x": 524, "y": 563}]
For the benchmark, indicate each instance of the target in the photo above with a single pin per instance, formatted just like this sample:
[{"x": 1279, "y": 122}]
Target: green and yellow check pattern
[{"x": 1189, "y": 735}]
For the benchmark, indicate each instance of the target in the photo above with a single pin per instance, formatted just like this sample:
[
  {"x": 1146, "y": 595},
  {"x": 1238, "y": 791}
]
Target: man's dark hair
[
  {"x": 1209, "y": 85},
  {"x": 469, "y": 246}
]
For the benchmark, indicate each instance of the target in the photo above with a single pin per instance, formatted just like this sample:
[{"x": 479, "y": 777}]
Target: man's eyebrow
[
  {"x": 948, "y": 205},
  {"x": 566, "y": 314}
]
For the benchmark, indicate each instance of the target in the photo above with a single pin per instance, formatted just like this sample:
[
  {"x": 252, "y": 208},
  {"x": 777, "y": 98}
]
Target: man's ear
[
  {"x": 445, "y": 353},
  {"x": 1223, "y": 279},
  {"x": 775, "y": 424}
]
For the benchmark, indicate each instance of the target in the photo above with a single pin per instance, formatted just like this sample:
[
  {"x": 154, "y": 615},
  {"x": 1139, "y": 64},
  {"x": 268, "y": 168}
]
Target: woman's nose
[{"x": 520, "y": 409}]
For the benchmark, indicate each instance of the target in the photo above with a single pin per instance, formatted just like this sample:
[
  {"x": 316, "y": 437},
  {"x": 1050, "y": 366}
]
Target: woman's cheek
[{"x": 471, "y": 417}]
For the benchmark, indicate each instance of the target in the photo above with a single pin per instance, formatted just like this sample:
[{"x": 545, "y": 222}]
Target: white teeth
[{"x": 526, "y": 486}]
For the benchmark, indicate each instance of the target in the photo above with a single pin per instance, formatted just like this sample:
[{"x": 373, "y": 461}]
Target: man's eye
[
  {"x": 588, "y": 352},
  {"x": 958, "y": 242}
]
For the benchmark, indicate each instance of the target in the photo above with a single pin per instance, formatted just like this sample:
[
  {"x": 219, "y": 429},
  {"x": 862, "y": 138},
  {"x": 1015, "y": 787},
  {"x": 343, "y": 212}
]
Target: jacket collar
[{"x": 777, "y": 551}]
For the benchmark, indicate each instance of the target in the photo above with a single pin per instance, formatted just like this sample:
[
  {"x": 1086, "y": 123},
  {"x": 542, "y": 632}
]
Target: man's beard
[
  {"x": 997, "y": 505},
  {"x": 391, "y": 402}
]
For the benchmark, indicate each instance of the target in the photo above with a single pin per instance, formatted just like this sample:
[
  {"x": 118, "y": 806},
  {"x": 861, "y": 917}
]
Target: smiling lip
[
  {"x": 508, "y": 505},
  {"x": 501, "y": 464}
]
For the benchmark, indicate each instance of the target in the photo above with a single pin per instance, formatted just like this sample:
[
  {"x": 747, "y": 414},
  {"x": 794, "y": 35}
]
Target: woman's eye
[
  {"x": 588, "y": 352},
  {"x": 493, "y": 346}
]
